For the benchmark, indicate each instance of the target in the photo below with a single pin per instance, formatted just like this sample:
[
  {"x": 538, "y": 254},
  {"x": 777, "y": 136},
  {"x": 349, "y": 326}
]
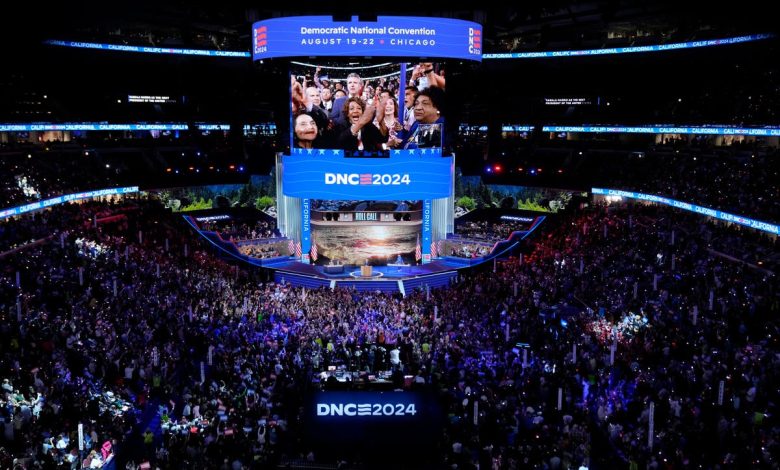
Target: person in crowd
[
  {"x": 321, "y": 81},
  {"x": 354, "y": 90},
  {"x": 410, "y": 94},
  {"x": 360, "y": 134},
  {"x": 428, "y": 107},
  {"x": 387, "y": 120},
  {"x": 313, "y": 106},
  {"x": 336, "y": 95},
  {"x": 327, "y": 100},
  {"x": 424, "y": 76},
  {"x": 306, "y": 131}
]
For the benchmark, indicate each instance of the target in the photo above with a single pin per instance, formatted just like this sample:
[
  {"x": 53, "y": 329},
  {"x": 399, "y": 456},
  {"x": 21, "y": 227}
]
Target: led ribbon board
[
  {"x": 737, "y": 219},
  {"x": 628, "y": 50},
  {"x": 397, "y": 178},
  {"x": 34, "y": 206},
  {"x": 146, "y": 49},
  {"x": 769, "y": 132},
  {"x": 89, "y": 126},
  {"x": 389, "y": 36},
  {"x": 83, "y": 126}
]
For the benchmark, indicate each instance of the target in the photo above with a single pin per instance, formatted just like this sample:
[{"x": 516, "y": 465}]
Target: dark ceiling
[
  {"x": 541, "y": 22},
  {"x": 641, "y": 88}
]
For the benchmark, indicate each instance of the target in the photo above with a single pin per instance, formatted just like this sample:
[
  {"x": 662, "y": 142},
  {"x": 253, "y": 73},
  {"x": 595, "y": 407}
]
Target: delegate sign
[{"x": 371, "y": 420}]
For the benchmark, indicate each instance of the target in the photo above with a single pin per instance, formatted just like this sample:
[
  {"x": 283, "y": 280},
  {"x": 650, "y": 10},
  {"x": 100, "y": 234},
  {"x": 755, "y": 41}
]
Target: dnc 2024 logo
[
  {"x": 475, "y": 41},
  {"x": 261, "y": 39},
  {"x": 364, "y": 179}
]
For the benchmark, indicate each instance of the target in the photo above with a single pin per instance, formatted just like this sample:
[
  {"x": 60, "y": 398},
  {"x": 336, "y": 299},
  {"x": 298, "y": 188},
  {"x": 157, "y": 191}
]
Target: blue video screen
[{"x": 388, "y": 36}]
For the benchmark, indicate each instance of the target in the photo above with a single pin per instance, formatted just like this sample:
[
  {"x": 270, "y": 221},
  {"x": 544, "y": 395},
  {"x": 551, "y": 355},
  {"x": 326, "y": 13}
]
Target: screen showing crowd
[{"x": 367, "y": 110}]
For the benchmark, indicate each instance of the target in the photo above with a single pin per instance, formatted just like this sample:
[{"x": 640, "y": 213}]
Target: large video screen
[
  {"x": 366, "y": 232},
  {"x": 385, "y": 36},
  {"x": 365, "y": 109}
]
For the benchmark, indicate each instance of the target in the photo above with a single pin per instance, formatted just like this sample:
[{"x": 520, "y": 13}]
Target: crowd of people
[
  {"x": 466, "y": 248},
  {"x": 259, "y": 250},
  {"x": 242, "y": 230},
  {"x": 26, "y": 176},
  {"x": 168, "y": 355},
  {"x": 739, "y": 178},
  {"x": 738, "y": 181},
  {"x": 364, "y": 115},
  {"x": 489, "y": 231}
]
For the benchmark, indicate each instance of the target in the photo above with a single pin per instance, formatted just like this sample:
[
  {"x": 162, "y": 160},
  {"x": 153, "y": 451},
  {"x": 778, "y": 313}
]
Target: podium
[
  {"x": 366, "y": 271},
  {"x": 333, "y": 268}
]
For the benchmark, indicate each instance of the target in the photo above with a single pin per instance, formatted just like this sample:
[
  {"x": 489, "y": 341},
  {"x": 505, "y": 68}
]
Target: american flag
[
  {"x": 433, "y": 250},
  {"x": 291, "y": 247},
  {"x": 298, "y": 250},
  {"x": 313, "y": 249},
  {"x": 418, "y": 250},
  {"x": 440, "y": 248}
]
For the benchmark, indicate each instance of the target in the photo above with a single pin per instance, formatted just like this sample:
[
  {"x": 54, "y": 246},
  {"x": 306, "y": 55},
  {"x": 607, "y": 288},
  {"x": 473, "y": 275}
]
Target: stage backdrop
[{"x": 357, "y": 244}]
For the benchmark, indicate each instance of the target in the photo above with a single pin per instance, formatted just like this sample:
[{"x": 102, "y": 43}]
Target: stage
[{"x": 391, "y": 279}]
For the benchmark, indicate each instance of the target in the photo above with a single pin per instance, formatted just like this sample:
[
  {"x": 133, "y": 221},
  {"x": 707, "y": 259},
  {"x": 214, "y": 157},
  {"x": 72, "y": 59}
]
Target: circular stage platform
[{"x": 359, "y": 275}]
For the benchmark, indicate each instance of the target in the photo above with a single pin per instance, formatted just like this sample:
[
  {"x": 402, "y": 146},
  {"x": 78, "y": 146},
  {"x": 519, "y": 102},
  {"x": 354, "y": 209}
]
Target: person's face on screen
[
  {"x": 313, "y": 96},
  {"x": 389, "y": 107},
  {"x": 409, "y": 98},
  {"x": 355, "y": 111},
  {"x": 305, "y": 128},
  {"x": 424, "y": 111},
  {"x": 353, "y": 86}
]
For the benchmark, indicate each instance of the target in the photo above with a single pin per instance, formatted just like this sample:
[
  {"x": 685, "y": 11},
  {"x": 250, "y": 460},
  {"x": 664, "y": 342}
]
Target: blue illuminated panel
[
  {"x": 213, "y": 127},
  {"x": 83, "y": 126},
  {"x": 752, "y": 223},
  {"x": 340, "y": 153},
  {"x": 389, "y": 36},
  {"x": 402, "y": 176},
  {"x": 88, "y": 126},
  {"x": 628, "y": 50},
  {"x": 475, "y": 45},
  {"x": 146, "y": 49},
  {"x": 34, "y": 206},
  {"x": 666, "y": 130}
]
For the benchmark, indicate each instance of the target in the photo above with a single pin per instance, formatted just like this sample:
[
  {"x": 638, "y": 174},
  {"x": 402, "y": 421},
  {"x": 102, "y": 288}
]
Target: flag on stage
[
  {"x": 418, "y": 250},
  {"x": 440, "y": 248},
  {"x": 298, "y": 250},
  {"x": 313, "y": 248},
  {"x": 433, "y": 250},
  {"x": 291, "y": 247}
]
